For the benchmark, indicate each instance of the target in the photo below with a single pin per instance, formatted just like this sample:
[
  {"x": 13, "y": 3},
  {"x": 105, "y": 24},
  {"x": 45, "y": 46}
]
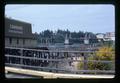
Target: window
[
  {"x": 10, "y": 40},
  {"x": 23, "y": 41},
  {"x": 17, "y": 41}
]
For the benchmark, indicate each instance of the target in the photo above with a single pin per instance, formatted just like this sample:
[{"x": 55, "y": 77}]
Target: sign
[{"x": 16, "y": 29}]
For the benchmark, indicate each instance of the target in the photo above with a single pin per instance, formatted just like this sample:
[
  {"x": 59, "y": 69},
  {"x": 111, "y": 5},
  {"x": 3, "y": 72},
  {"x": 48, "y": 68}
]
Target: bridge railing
[{"x": 41, "y": 60}]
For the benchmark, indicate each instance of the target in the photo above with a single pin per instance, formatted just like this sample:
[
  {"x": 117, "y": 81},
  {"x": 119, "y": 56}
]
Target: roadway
[
  {"x": 33, "y": 74},
  {"x": 18, "y": 76}
]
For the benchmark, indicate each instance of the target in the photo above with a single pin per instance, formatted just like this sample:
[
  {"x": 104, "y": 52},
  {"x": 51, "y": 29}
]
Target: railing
[{"x": 52, "y": 61}]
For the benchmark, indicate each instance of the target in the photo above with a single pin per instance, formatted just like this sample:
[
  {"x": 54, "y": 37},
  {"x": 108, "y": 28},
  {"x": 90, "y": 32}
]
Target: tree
[
  {"x": 47, "y": 33},
  {"x": 103, "y": 53},
  {"x": 59, "y": 35}
]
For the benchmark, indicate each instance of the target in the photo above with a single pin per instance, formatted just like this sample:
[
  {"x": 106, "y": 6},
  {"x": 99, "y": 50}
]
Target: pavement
[
  {"x": 18, "y": 76},
  {"x": 32, "y": 74}
]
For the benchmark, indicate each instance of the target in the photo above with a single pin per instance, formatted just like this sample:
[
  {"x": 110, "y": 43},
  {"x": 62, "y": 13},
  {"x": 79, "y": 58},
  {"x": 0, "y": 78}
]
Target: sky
[{"x": 96, "y": 18}]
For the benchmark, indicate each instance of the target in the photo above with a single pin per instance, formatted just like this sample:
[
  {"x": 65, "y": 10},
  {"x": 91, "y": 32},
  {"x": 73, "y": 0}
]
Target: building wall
[
  {"x": 20, "y": 43},
  {"x": 6, "y": 42},
  {"x": 28, "y": 42}
]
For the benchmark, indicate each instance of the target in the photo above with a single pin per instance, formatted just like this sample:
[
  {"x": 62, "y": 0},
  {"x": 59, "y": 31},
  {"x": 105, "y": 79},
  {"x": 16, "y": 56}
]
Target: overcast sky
[{"x": 91, "y": 18}]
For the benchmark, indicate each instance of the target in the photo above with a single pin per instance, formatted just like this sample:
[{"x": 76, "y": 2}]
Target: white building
[
  {"x": 108, "y": 36},
  {"x": 100, "y": 35}
]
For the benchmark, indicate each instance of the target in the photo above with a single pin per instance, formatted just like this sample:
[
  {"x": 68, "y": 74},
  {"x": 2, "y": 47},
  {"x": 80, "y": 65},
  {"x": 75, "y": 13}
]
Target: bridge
[{"x": 53, "y": 63}]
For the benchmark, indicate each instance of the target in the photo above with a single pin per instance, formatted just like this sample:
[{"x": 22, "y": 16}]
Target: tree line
[{"x": 59, "y": 36}]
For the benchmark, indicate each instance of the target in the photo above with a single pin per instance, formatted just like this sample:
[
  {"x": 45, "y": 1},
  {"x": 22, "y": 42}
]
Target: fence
[{"x": 52, "y": 61}]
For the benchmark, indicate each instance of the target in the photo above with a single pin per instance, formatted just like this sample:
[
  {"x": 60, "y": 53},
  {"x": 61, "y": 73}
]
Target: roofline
[{"x": 17, "y": 20}]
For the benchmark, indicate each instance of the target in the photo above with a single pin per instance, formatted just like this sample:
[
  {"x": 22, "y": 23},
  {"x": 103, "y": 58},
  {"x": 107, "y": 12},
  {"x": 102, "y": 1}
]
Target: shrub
[{"x": 103, "y": 53}]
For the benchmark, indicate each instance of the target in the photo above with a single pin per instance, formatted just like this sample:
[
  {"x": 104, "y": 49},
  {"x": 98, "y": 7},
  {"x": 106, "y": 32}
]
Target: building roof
[{"x": 17, "y": 20}]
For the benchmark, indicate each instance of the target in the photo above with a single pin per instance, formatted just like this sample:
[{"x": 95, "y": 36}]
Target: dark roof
[
  {"x": 25, "y": 30},
  {"x": 39, "y": 48},
  {"x": 99, "y": 33},
  {"x": 17, "y": 20}
]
